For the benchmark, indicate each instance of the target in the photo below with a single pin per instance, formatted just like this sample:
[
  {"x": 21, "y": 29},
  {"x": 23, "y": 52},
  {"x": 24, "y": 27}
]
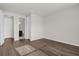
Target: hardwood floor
[{"x": 43, "y": 46}]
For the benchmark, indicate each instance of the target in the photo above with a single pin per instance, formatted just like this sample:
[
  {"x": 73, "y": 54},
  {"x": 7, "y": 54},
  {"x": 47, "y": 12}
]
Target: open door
[{"x": 16, "y": 28}]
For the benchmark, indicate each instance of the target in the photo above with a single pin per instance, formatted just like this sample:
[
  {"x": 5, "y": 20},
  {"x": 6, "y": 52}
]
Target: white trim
[{"x": 63, "y": 42}]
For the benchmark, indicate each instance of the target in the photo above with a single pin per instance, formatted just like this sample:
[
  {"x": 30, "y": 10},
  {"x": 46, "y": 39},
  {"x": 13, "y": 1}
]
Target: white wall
[
  {"x": 36, "y": 26},
  {"x": 8, "y": 26},
  {"x": 1, "y": 28},
  {"x": 28, "y": 27},
  {"x": 63, "y": 26}
]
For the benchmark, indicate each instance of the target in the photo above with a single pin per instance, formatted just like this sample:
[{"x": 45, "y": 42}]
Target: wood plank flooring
[{"x": 47, "y": 47}]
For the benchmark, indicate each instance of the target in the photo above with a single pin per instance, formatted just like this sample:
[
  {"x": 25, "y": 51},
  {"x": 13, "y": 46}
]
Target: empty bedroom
[{"x": 39, "y": 29}]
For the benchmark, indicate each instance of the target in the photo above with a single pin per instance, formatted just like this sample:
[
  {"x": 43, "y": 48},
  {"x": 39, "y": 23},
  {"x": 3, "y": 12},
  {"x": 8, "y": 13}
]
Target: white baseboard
[{"x": 63, "y": 42}]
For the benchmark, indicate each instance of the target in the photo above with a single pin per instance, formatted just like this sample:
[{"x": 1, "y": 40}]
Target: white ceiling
[{"x": 42, "y": 9}]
